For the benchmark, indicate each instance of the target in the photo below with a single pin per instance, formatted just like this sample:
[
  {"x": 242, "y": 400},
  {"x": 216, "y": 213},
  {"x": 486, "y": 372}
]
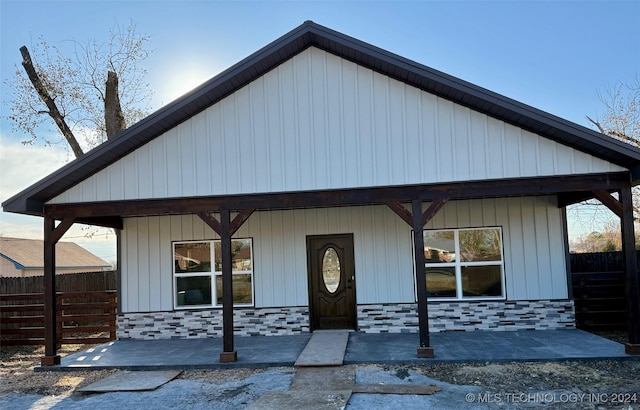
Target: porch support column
[
  {"x": 52, "y": 235},
  {"x": 424, "y": 350},
  {"x": 226, "y": 228},
  {"x": 228, "y": 354},
  {"x": 631, "y": 271}
]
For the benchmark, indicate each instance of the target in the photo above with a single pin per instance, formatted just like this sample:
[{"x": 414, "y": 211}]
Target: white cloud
[{"x": 20, "y": 167}]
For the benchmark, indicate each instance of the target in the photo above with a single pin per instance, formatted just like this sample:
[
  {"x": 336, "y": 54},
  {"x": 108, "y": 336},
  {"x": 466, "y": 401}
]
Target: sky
[{"x": 555, "y": 56}]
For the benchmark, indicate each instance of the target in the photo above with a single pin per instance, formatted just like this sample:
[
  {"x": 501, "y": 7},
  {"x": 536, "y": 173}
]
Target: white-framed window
[
  {"x": 197, "y": 273},
  {"x": 464, "y": 263}
]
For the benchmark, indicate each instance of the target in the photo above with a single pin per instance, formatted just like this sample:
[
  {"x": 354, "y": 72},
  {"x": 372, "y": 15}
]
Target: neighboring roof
[
  {"x": 29, "y": 254},
  {"x": 32, "y": 199}
]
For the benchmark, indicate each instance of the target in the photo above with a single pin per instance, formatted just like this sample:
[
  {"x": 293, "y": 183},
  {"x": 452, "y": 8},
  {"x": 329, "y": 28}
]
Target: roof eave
[{"x": 31, "y": 200}]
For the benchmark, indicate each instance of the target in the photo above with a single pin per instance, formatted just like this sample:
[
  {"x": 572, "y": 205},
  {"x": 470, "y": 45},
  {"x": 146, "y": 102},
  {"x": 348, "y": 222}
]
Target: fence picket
[
  {"x": 598, "y": 282},
  {"x": 83, "y": 317}
]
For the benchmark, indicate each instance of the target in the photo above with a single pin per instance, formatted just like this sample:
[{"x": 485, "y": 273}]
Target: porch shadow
[{"x": 385, "y": 348}]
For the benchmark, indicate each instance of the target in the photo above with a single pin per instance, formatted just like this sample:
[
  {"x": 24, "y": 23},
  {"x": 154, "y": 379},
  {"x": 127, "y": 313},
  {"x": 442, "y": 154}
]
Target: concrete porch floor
[{"x": 385, "y": 348}]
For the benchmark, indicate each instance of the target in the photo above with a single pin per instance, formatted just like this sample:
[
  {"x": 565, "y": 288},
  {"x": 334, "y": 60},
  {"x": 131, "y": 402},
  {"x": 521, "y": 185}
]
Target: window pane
[
  {"x": 439, "y": 247},
  {"x": 192, "y": 257},
  {"x": 480, "y": 245},
  {"x": 441, "y": 282},
  {"x": 240, "y": 255},
  {"x": 194, "y": 290},
  {"x": 331, "y": 270},
  {"x": 481, "y": 281},
  {"x": 242, "y": 289}
]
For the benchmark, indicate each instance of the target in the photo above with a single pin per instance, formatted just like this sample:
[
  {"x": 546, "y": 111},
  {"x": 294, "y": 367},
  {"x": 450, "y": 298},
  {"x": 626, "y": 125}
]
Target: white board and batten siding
[
  {"x": 320, "y": 122},
  {"x": 533, "y": 250}
]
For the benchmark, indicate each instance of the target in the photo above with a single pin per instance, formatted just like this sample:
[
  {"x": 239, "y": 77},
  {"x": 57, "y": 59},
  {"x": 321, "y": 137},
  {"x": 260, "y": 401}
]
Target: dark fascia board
[{"x": 31, "y": 200}]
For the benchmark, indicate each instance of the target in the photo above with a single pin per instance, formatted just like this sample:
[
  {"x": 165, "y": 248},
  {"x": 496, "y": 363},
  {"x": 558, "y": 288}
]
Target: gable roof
[
  {"x": 32, "y": 199},
  {"x": 29, "y": 254}
]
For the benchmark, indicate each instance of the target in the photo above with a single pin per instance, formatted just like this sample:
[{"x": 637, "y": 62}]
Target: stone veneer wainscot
[{"x": 376, "y": 318}]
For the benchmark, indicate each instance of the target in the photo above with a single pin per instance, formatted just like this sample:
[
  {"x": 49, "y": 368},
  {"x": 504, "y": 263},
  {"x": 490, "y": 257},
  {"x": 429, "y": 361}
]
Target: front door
[{"x": 331, "y": 275}]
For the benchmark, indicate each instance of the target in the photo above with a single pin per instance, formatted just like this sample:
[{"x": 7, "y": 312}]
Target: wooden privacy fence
[
  {"x": 82, "y": 318},
  {"x": 68, "y": 282},
  {"x": 598, "y": 282}
]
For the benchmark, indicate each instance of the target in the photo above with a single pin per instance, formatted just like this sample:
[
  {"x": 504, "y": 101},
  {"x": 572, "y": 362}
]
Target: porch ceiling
[{"x": 108, "y": 213}]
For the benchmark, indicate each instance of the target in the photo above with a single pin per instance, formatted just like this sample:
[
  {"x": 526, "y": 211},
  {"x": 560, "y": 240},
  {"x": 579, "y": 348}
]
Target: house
[
  {"x": 325, "y": 183},
  {"x": 25, "y": 257}
]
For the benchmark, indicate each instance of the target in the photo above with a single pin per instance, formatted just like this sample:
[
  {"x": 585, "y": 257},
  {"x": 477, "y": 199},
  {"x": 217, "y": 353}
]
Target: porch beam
[
  {"x": 52, "y": 235},
  {"x": 424, "y": 350},
  {"x": 631, "y": 272},
  {"x": 211, "y": 221},
  {"x": 571, "y": 198},
  {"x": 401, "y": 211},
  {"x": 609, "y": 201},
  {"x": 375, "y": 195},
  {"x": 433, "y": 210},
  {"x": 62, "y": 228},
  {"x": 114, "y": 222},
  {"x": 240, "y": 219},
  {"x": 228, "y": 354},
  {"x": 236, "y": 223}
]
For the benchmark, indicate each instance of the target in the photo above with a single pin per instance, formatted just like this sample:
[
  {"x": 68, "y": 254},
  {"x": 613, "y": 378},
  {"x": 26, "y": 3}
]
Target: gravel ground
[{"x": 601, "y": 384}]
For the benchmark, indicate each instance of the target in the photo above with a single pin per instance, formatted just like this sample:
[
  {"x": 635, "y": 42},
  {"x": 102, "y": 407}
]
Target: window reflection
[
  {"x": 197, "y": 280},
  {"x": 192, "y": 257},
  {"x": 439, "y": 246},
  {"x": 464, "y": 263},
  {"x": 242, "y": 289},
  {"x": 240, "y": 255},
  {"x": 331, "y": 270},
  {"x": 480, "y": 245}
]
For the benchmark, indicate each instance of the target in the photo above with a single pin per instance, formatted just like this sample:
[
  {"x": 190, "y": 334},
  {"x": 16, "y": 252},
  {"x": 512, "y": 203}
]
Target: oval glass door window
[{"x": 331, "y": 270}]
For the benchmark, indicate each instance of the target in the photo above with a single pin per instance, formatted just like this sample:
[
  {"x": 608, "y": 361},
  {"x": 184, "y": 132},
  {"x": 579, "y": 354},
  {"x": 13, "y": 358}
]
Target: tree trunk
[
  {"x": 53, "y": 112},
  {"x": 113, "y": 116}
]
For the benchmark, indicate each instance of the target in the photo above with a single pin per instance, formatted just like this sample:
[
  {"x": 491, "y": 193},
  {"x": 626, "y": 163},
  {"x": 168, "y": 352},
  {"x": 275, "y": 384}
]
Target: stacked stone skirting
[
  {"x": 194, "y": 324},
  {"x": 469, "y": 316},
  {"x": 377, "y": 318}
]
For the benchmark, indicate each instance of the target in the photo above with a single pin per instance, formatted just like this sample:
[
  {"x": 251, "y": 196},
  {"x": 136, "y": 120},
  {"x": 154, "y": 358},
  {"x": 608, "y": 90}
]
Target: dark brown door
[{"x": 332, "y": 290}]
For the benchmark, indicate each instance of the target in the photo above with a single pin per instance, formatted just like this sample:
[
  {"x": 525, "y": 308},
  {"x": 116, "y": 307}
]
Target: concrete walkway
[
  {"x": 325, "y": 348},
  {"x": 331, "y": 387},
  {"x": 272, "y": 351}
]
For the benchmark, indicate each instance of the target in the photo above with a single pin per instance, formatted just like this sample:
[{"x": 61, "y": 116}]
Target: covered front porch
[
  {"x": 383, "y": 348},
  {"x": 388, "y": 133},
  {"x": 415, "y": 205}
]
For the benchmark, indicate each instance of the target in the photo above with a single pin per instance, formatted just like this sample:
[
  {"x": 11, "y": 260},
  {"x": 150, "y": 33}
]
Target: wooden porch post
[
  {"x": 226, "y": 228},
  {"x": 52, "y": 235},
  {"x": 51, "y": 356},
  {"x": 424, "y": 350},
  {"x": 631, "y": 270},
  {"x": 228, "y": 353}
]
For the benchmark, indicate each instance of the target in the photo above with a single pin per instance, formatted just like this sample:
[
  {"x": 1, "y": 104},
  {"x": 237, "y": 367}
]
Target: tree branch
[
  {"x": 613, "y": 133},
  {"x": 113, "y": 116},
  {"x": 53, "y": 112},
  {"x": 597, "y": 124}
]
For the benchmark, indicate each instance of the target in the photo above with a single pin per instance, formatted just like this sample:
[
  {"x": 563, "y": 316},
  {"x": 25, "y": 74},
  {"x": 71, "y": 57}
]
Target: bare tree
[
  {"x": 621, "y": 120},
  {"x": 95, "y": 94},
  {"x": 622, "y": 113}
]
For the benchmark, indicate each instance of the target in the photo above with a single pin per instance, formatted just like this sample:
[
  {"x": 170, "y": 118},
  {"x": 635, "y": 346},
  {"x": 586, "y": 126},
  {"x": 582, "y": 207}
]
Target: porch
[{"x": 383, "y": 348}]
